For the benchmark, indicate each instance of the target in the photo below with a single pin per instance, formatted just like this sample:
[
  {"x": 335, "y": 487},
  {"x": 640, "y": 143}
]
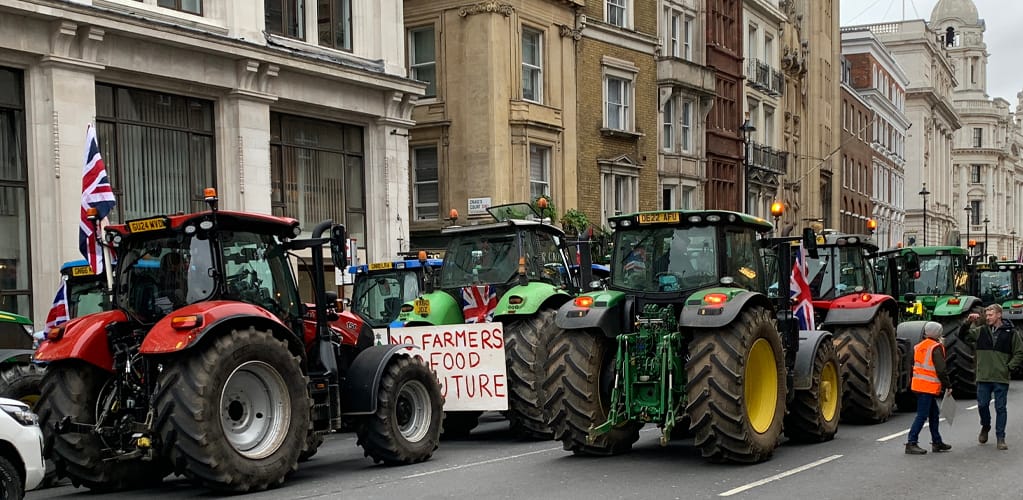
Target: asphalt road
[{"x": 863, "y": 462}]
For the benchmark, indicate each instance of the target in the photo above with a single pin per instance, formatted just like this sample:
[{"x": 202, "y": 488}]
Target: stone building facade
[{"x": 285, "y": 110}]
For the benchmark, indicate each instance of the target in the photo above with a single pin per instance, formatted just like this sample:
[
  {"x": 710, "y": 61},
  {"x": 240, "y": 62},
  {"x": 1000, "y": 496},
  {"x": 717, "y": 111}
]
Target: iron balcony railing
[
  {"x": 763, "y": 77},
  {"x": 767, "y": 158}
]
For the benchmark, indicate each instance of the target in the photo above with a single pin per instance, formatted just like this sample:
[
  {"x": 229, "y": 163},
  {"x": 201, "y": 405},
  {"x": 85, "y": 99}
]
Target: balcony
[
  {"x": 678, "y": 72},
  {"x": 764, "y": 78},
  {"x": 768, "y": 159}
]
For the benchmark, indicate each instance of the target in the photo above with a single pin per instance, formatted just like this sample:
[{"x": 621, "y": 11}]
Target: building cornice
[{"x": 639, "y": 42}]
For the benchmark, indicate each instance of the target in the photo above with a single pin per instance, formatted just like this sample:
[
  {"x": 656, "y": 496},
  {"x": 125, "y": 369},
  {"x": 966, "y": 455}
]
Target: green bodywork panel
[
  {"x": 698, "y": 313},
  {"x": 928, "y": 307},
  {"x": 7, "y": 317},
  {"x": 533, "y": 296},
  {"x": 604, "y": 314},
  {"x": 444, "y": 310}
]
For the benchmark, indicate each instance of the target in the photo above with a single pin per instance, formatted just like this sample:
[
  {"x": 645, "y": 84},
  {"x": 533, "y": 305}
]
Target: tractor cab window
[
  {"x": 941, "y": 274},
  {"x": 839, "y": 271},
  {"x": 995, "y": 286},
  {"x": 741, "y": 263},
  {"x": 665, "y": 259},
  {"x": 378, "y": 297},
  {"x": 256, "y": 271},
  {"x": 545, "y": 261},
  {"x": 85, "y": 298},
  {"x": 480, "y": 259},
  {"x": 157, "y": 276}
]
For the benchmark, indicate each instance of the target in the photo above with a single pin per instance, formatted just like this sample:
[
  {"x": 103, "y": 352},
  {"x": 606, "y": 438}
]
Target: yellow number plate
[
  {"x": 81, "y": 271},
  {"x": 422, "y": 307},
  {"x": 659, "y": 218},
  {"x": 143, "y": 225},
  {"x": 376, "y": 266}
]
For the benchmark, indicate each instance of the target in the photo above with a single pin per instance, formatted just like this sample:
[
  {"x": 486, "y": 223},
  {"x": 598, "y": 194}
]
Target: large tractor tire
[
  {"x": 22, "y": 381},
  {"x": 313, "y": 441},
  {"x": 525, "y": 352},
  {"x": 72, "y": 389},
  {"x": 868, "y": 357},
  {"x": 458, "y": 424},
  {"x": 814, "y": 413},
  {"x": 578, "y": 385},
  {"x": 406, "y": 426},
  {"x": 737, "y": 389},
  {"x": 231, "y": 412},
  {"x": 959, "y": 360}
]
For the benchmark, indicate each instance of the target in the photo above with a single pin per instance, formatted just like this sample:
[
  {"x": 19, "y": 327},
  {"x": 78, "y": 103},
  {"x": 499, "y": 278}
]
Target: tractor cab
[
  {"x": 382, "y": 287},
  {"x": 86, "y": 292},
  {"x": 843, "y": 267},
  {"x": 997, "y": 283}
]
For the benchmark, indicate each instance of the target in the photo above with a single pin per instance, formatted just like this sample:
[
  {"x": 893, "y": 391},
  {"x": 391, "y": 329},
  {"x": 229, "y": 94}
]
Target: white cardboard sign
[{"x": 468, "y": 359}]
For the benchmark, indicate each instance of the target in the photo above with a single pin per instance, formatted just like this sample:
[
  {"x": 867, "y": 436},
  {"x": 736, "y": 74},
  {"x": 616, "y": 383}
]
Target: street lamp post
[
  {"x": 1012, "y": 254},
  {"x": 924, "y": 192},
  {"x": 969, "y": 213},
  {"x": 746, "y": 129},
  {"x": 985, "y": 236}
]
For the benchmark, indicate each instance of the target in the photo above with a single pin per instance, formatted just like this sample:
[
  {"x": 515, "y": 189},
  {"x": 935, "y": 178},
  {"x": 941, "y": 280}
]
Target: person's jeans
[
  {"x": 926, "y": 410},
  {"x": 1001, "y": 392}
]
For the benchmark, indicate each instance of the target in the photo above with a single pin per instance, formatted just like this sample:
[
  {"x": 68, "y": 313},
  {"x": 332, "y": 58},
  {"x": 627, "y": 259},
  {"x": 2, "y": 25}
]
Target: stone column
[
  {"x": 387, "y": 180},
  {"x": 243, "y": 152}
]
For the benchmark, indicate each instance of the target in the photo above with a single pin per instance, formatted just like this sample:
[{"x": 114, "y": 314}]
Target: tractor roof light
[
  {"x": 865, "y": 297},
  {"x": 777, "y": 209},
  {"x": 209, "y": 194},
  {"x": 972, "y": 243},
  {"x": 872, "y": 225}
]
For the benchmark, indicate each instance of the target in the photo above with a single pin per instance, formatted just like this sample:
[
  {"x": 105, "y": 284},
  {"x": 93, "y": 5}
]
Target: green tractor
[
  {"x": 687, "y": 336},
  {"x": 931, "y": 284},
  {"x": 515, "y": 271},
  {"x": 1000, "y": 283}
]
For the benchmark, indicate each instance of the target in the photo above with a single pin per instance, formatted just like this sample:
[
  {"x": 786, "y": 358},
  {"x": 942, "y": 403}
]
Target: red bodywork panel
[
  {"x": 281, "y": 226},
  {"x": 852, "y": 301},
  {"x": 347, "y": 325},
  {"x": 163, "y": 338},
  {"x": 84, "y": 338}
]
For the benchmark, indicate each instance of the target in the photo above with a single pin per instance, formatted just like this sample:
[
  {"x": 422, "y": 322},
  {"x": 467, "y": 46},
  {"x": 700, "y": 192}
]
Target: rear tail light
[
  {"x": 186, "y": 322},
  {"x": 715, "y": 298},
  {"x": 954, "y": 301},
  {"x": 584, "y": 301},
  {"x": 55, "y": 333},
  {"x": 515, "y": 300}
]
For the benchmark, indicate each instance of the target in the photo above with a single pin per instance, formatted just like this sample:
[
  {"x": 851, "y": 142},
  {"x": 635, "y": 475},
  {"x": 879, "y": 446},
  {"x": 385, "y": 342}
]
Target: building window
[
  {"x": 687, "y": 198},
  {"x": 423, "y": 58},
  {"x": 532, "y": 65},
  {"x": 978, "y": 137},
  {"x": 285, "y": 18},
  {"x": 155, "y": 139},
  {"x": 334, "y": 21},
  {"x": 687, "y": 126},
  {"x": 668, "y": 126},
  {"x": 768, "y": 48},
  {"x": 425, "y": 186},
  {"x": 617, "y": 12},
  {"x": 190, "y": 6},
  {"x": 667, "y": 197},
  {"x": 751, "y": 42},
  {"x": 15, "y": 266},
  {"x": 539, "y": 171},
  {"x": 317, "y": 172},
  {"x": 687, "y": 38},
  {"x": 617, "y": 93},
  {"x": 620, "y": 193},
  {"x": 769, "y": 126},
  {"x": 674, "y": 26},
  {"x": 976, "y": 207},
  {"x": 974, "y": 174}
]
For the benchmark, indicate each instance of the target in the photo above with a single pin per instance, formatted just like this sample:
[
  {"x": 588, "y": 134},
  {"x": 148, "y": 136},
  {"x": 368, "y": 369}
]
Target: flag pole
[{"x": 96, "y": 233}]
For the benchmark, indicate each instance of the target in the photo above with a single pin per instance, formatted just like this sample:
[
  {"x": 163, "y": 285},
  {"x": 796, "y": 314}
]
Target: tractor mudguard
[
  {"x": 164, "y": 338},
  {"x": 359, "y": 389},
  {"x": 84, "y": 338},
  {"x": 523, "y": 300},
  {"x": 443, "y": 310},
  {"x": 853, "y": 310},
  {"x": 718, "y": 307},
  {"x": 945, "y": 309},
  {"x": 605, "y": 313},
  {"x": 21, "y": 356},
  {"x": 809, "y": 340}
]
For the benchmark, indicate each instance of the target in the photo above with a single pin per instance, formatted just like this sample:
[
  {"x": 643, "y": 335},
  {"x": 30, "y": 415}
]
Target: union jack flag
[
  {"x": 802, "y": 305},
  {"x": 478, "y": 303},
  {"x": 636, "y": 260},
  {"x": 96, "y": 193},
  {"x": 59, "y": 311}
]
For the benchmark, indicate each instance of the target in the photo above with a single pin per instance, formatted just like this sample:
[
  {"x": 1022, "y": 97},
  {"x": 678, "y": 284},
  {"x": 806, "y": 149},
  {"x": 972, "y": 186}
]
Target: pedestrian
[
  {"x": 929, "y": 376},
  {"x": 999, "y": 351}
]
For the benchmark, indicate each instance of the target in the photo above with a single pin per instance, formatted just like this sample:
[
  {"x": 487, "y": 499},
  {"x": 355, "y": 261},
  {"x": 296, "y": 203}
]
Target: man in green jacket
[{"x": 999, "y": 350}]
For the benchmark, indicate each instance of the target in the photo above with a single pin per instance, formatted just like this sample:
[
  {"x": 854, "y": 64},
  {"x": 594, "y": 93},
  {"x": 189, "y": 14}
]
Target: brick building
[
  {"x": 855, "y": 174},
  {"x": 724, "y": 144}
]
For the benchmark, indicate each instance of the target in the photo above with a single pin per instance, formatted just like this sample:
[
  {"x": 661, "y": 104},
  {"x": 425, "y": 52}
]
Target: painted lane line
[
  {"x": 974, "y": 407},
  {"x": 484, "y": 462},
  {"x": 901, "y": 433},
  {"x": 776, "y": 477}
]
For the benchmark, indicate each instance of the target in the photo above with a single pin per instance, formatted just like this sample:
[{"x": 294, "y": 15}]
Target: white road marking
[
  {"x": 484, "y": 462},
  {"x": 897, "y": 434},
  {"x": 776, "y": 477},
  {"x": 974, "y": 407}
]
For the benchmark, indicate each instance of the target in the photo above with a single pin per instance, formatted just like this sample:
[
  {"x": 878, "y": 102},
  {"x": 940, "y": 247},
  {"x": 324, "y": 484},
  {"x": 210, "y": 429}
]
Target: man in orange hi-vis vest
[{"x": 928, "y": 378}]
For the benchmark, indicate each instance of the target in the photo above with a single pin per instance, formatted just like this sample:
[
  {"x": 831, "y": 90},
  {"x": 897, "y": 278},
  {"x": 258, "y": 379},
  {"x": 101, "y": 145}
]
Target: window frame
[
  {"x": 18, "y": 299},
  {"x": 625, "y": 6},
  {"x": 178, "y": 7},
  {"x": 416, "y": 184},
  {"x": 978, "y": 137},
  {"x": 626, "y": 121},
  {"x": 687, "y": 37},
  {"x": 547, "y": 155},
  {"x": 349, "y": 24},
  {"x": 976, "y": 207},
  {"x": 686, "y": 125},
  {"x": 534, "y": 70},
  {"x": 975, "y": 173},
  {"x": 668, "y": 125},
  {"x": 414, "y": 66},
  {"x": 298, "y": 12}
]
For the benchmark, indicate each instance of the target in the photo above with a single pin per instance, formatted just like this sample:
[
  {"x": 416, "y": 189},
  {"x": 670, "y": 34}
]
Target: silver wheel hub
[
  {"x": 413, "y": 411},
  {"x": 255, "y": 410}
]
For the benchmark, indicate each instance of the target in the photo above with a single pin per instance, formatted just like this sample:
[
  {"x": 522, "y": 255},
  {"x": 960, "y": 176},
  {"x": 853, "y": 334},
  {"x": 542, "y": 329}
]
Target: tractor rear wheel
[
  {"x": 580, "y": 376},
  {"x": 22, "y": 381},
  {"x": 237, "y": 405},
  {"x": 959, "y": 360},
  {"x": 814, "y": 413},
  {"x": 867, "y": 355},
  {"x": 406, "y": 426},
  {"x": 458, "y": 424},
  {"x": 525, "y": 352},
  {"x": 736, "y": 388},
  {"x": 71, "y": 389},
  {"x": 313, "y": 441}
]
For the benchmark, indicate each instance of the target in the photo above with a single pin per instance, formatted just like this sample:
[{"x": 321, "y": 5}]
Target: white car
[{"x": 21, "y": 450}]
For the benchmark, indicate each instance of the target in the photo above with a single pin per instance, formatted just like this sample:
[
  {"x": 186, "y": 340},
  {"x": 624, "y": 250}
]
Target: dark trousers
[
  {"x": 1001, "y": 392},
  {"x": 926, "y": 410}
]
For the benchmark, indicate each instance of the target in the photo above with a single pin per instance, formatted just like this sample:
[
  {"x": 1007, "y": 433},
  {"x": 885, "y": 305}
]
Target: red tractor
[
  {"x": 847, "y": 303},
  {"x": 211, "y": 366}
]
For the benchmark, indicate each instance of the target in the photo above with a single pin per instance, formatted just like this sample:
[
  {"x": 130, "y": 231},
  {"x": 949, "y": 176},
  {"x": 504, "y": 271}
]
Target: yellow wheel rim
[
  {"x": 30, "y": 400},
  {"x": 761, "y": 385},
  {"x": 829, "y": 391}
]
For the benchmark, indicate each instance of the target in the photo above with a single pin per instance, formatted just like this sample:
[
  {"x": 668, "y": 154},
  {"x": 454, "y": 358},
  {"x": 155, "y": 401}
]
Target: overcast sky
[{"x": 1004, "y": 20}]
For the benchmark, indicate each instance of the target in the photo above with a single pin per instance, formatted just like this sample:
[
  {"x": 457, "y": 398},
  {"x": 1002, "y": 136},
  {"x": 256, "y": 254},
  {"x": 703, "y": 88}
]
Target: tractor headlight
[{"x": 21, "y": 413}]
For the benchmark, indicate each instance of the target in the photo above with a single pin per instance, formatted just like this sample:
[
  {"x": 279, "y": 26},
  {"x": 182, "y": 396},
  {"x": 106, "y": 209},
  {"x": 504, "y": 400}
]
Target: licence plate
[
  {"x": 422, "y": 307},
  {"x": 377, "y": 266},
  {"x": 659, "y": 218}
]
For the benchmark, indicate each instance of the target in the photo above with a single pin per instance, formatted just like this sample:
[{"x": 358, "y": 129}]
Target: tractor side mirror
[
  {"x": 810, "y": 243},
  {"x": 337, "y": 246}
]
